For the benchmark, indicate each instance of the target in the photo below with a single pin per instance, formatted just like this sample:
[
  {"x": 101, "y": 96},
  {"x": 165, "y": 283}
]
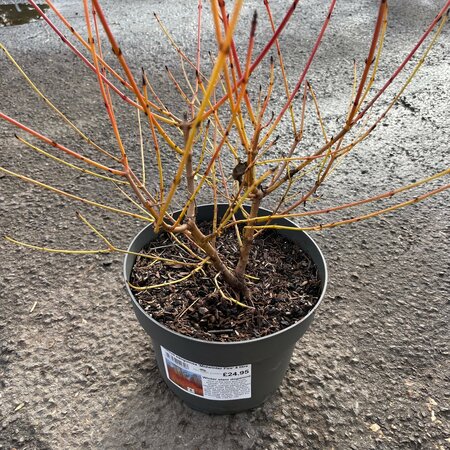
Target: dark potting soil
[{"x": 285, "y": 286}]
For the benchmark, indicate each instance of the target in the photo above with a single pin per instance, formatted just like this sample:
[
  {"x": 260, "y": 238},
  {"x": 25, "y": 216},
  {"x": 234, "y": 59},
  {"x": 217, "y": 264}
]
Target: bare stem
[
  {"x": 247, "y": 240},
  {"x": 190, "y": 215},
  {"x": 236, "y": 283}
]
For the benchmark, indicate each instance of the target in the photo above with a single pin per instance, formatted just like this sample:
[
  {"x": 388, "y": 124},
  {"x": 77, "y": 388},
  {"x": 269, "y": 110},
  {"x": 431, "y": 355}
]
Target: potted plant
[{"x": 227, "y": 288}]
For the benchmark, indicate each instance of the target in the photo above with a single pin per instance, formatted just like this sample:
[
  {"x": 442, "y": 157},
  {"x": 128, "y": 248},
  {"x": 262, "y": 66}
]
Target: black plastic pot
[{"x": 224, "y": 377}]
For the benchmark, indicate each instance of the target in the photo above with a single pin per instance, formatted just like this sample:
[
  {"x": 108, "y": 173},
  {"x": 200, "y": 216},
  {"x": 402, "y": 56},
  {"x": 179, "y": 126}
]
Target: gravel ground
[{"x": 76, "y": 370}]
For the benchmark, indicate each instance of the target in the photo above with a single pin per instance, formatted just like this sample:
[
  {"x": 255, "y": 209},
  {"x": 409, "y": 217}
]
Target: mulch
[{"x": 285, "y": 286}]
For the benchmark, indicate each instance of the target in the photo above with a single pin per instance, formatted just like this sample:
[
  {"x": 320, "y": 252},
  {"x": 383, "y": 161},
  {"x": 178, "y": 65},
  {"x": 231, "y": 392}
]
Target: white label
[{"x": 211, "y": 382}]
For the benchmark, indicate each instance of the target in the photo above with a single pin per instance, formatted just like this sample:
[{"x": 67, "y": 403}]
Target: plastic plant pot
[{"x": 224, "y": 377}]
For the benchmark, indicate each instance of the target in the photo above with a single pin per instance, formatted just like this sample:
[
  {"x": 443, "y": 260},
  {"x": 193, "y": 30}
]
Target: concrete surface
[{"x": 76, "y": 370}]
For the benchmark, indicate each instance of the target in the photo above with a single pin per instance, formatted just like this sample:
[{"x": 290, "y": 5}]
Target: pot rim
[{"x": 242, "y": 342}]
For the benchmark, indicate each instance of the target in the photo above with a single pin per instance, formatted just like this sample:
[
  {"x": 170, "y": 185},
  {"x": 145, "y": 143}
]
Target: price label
[{"x": 211, "y": 382}]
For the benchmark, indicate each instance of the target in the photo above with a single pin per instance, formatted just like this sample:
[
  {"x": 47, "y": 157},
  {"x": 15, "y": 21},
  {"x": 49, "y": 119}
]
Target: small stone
[{"x": 375, "y": 427}]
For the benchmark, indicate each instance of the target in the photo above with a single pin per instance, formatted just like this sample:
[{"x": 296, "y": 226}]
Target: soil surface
[
  {"x": 76, "y": 369},
  {"x": 284, "y": 289}
]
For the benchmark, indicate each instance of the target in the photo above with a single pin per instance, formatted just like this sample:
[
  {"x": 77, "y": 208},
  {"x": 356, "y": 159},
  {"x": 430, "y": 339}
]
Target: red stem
[
  {"x": 59, "y": 146},
  {"x": 373, "y": 46},
  {"x": 307, "y": 65},
  {"x": 83, "y": 58},
  {"x": 403, "y": 64},
  {"x": 258, "y": 59}
]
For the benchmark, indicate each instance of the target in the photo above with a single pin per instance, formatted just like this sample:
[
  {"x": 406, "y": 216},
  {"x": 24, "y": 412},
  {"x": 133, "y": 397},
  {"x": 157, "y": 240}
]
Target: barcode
[{"x": 178, "y": 361}]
